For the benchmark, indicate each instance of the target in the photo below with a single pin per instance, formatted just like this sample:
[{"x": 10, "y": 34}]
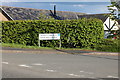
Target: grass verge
[
  {"x": 98, "y": 49},
  {"x": 13, "y": 45}
]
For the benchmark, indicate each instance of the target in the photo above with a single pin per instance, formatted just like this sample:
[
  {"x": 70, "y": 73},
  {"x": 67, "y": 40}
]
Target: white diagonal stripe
[
  {"x": 5, "y": 62},
  {"x": 81, "y": 71},
  {"x": 76, "y": 75},
  {"x": 23, "y": 65},
  {"x": 51, "y": 70},
  {"x": 37, "y": 64},
  {"x": 112, "y": 77}
]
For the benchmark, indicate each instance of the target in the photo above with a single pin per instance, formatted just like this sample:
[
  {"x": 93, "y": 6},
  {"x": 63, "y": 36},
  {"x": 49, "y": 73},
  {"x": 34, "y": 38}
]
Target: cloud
[
  {"x": 9, "y": 0},
  {"x": 52, "y": 4},
  {"x": 54, "y": 0},
  {"x": 94, "y": 0},
  {"x": 79, "y": 5},
  {"x": 82, "y": 0}
]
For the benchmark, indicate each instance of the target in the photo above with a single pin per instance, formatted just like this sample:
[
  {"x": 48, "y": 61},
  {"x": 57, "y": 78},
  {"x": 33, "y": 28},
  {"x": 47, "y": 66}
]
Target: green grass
[
  {"x": 13, "y": 45},
  {"x": 100, "y": 49}
]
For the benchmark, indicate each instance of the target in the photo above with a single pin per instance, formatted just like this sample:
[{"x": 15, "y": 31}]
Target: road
[{"x": 52, "y": 64}]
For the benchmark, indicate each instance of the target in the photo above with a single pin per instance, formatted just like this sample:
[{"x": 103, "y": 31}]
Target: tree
[
  {"x": 114, "y": 8},
  {"x": 115, "y": 15}
]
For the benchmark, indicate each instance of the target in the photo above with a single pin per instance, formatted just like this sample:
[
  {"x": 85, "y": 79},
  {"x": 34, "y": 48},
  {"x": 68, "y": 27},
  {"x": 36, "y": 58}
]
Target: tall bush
[
  {"x": 74, "y": 33},
  {"x": 108, "y": 45}
]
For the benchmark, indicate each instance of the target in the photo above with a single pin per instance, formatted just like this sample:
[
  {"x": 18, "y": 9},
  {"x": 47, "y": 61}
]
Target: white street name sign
[{"x": 50, "y": 36}]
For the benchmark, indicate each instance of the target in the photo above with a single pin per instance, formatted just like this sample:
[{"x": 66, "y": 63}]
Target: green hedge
[
  {"x": 74, "y": 33},
  {"x": 108, "y": 45},
  {"x": 0, "y": 32}
]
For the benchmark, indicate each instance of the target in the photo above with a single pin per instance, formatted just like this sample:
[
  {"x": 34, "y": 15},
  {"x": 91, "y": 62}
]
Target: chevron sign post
[{"x": 109, "y": 24}]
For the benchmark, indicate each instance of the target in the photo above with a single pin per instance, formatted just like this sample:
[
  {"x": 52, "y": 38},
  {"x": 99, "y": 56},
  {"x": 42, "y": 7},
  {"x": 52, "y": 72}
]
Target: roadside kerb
[{"x": 83, "y": 52}]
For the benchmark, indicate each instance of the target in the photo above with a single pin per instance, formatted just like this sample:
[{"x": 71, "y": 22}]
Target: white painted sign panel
[
  {"x": 110, "y": 24},
  {"x": 49, "y": 36}
]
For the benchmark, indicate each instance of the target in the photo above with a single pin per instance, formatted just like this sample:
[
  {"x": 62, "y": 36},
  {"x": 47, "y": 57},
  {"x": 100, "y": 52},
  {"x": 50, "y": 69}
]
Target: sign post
[
  {"x": 60, "y": 44},
  {"x": 39, "y": 43},
  {"x": 49, "y": 36}
]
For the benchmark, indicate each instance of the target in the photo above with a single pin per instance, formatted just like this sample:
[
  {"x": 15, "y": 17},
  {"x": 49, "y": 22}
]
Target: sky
[{"x": 54, "y": 0}]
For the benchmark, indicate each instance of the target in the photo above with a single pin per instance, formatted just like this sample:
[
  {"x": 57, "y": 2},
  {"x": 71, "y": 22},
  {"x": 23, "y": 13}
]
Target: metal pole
[
  {"x": 38, "y": 42},
  {"x": 60, "y": 44},
  {"x": 54, "y": 10}
]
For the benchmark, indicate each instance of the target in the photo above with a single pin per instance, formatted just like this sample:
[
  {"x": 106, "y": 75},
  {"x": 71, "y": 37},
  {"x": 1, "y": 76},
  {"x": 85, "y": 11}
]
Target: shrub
[
  {"x": 74, "y": 33},
  {"x": 109, "y": 45}
]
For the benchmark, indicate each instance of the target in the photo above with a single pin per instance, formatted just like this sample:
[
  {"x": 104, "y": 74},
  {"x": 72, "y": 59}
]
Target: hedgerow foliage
[
  {"x": 108, "y": 45},
  {"x": 74, "y": 33}
]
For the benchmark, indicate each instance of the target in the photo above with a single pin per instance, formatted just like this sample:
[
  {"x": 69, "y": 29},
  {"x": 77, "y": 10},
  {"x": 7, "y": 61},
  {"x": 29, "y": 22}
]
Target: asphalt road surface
[{"x": 51, "y": 64}]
